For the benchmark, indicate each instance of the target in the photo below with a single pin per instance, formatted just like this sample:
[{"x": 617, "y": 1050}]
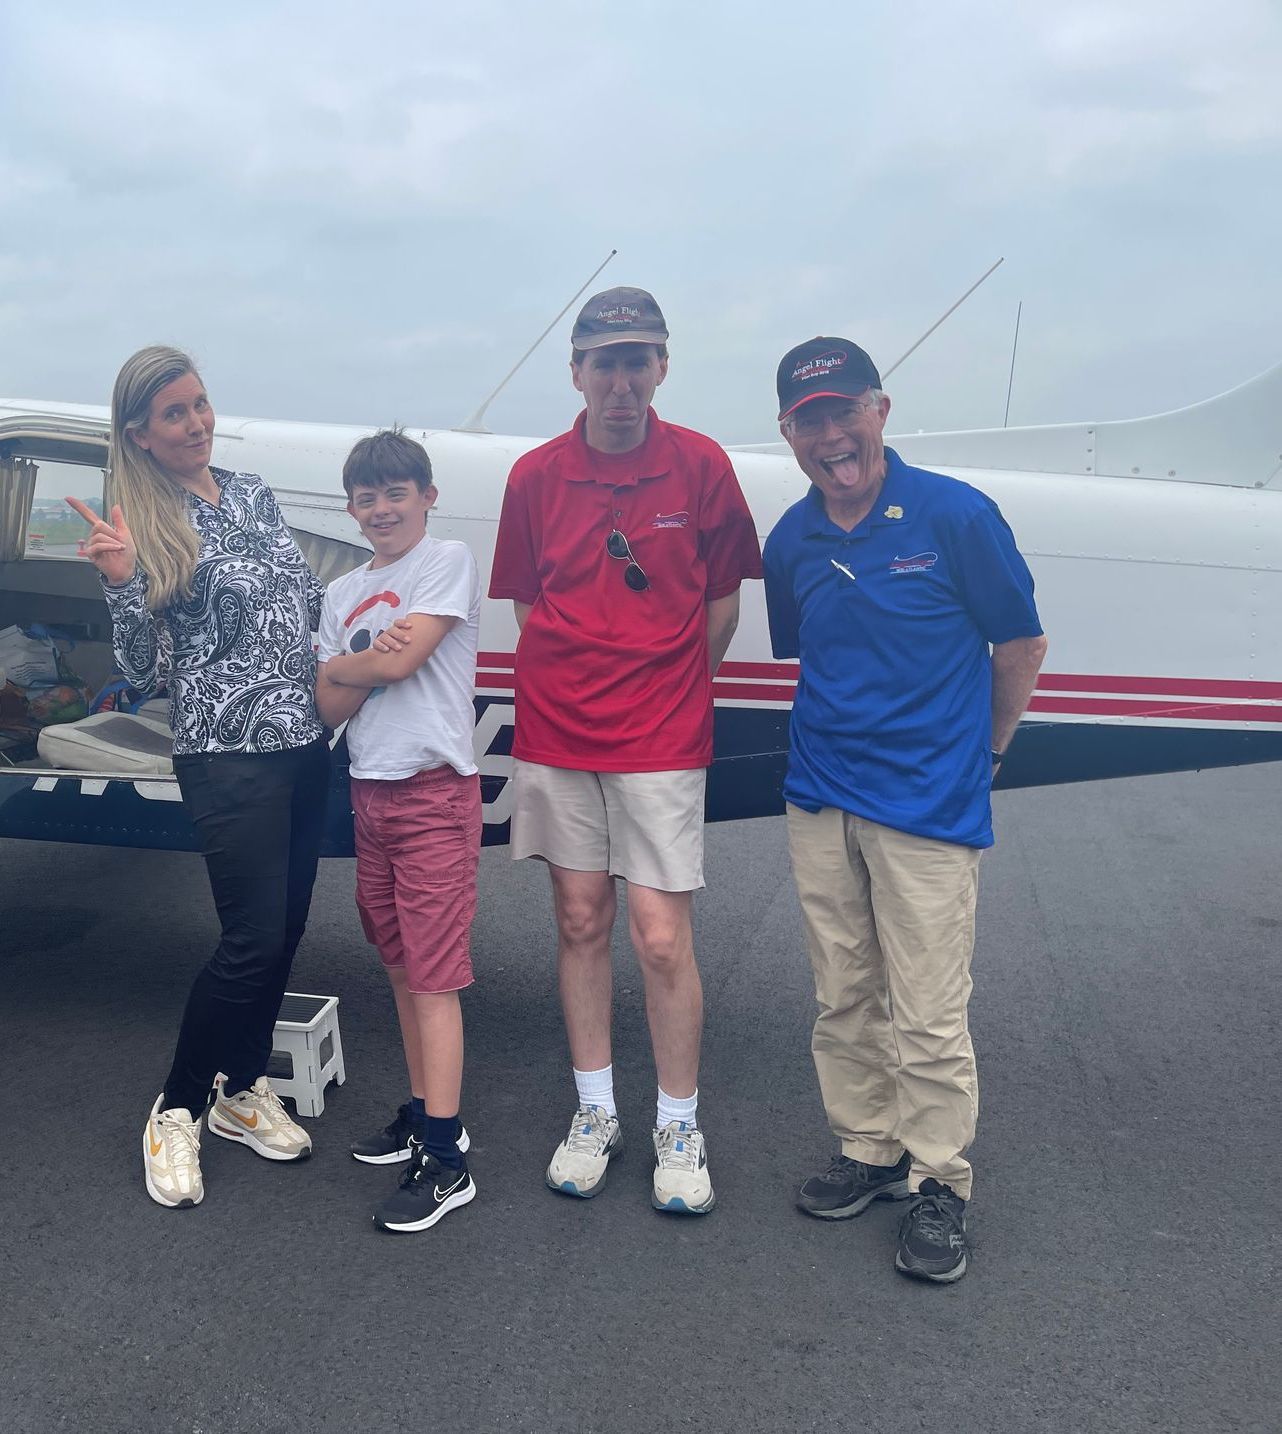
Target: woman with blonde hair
[{"x": 210, "y": 596}]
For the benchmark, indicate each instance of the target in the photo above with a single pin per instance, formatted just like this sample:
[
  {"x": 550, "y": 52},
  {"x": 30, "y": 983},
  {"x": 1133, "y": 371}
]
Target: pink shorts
[{"x": 418, "y": 843}]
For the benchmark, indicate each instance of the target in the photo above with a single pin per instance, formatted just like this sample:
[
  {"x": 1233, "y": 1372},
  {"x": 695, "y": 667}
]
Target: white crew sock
[
  {"x": 671, "y": 1110},
  {"x": 596, "y": 1088}
]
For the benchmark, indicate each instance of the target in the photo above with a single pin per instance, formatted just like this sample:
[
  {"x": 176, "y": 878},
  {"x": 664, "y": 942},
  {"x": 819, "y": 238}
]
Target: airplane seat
[{"x": 111, "y": 743}]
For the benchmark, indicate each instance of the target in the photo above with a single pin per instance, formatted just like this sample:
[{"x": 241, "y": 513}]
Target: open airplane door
[
  {"x": 106, "y": 780},
  {"x": 48, "y": 584}
]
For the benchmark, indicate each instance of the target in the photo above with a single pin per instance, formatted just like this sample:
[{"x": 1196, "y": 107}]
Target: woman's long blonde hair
[{"x": 154, "y": 505}]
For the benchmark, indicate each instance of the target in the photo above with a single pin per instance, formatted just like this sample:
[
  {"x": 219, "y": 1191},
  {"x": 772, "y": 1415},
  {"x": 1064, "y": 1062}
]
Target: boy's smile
[{"x": 393, "y": 518}]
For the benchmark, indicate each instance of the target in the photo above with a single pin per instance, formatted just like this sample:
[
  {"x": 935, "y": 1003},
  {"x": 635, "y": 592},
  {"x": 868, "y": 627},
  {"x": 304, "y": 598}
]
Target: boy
[{"x": 416, "y": 797}]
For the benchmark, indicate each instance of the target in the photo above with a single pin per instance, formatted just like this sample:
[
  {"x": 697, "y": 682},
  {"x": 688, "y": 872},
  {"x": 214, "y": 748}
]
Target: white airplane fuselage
[{"x": 1159, "y": 594}]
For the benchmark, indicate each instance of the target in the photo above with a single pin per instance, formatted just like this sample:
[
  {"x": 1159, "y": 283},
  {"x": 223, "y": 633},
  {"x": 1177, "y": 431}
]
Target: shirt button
[{"x": 618, "y": 512}]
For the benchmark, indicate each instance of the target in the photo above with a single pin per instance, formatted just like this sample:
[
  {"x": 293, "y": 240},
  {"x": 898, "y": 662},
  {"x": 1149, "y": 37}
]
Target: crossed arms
[{"x": 345, "y": 681}]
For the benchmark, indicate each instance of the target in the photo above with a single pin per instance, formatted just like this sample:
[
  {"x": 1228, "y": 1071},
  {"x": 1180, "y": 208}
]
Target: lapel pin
[{"x": 894, "y": 511}]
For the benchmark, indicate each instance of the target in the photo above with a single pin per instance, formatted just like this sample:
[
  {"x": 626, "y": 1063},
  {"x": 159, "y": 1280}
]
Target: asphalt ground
[{"x": 1124, "y": 1226}]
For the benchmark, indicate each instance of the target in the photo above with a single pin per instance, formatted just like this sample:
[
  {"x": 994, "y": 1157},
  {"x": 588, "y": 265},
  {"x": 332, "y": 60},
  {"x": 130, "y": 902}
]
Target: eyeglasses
[
  {"x": 807, "y": 422},
  {"x": 634, "y": 575}
]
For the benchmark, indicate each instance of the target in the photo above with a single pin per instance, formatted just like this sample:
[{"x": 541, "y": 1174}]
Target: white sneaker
[
  {"x": 580, "y": 1162},
  {"x": 256, "y": 1118},
  {"x": 171, "y": 1157},
  {"x": 682, "y": 1184}
]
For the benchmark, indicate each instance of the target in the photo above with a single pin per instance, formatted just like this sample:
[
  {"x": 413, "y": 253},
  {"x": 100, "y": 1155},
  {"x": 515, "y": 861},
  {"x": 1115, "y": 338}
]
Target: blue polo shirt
[{"x": 892, "y": 623}]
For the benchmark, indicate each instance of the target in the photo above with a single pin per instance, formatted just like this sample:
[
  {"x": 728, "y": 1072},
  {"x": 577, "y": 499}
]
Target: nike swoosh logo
[
  {"x": 438, "y": 1194},
  {"x": 250, "y": 1122},
  {"x": 156, "y": 1146}
]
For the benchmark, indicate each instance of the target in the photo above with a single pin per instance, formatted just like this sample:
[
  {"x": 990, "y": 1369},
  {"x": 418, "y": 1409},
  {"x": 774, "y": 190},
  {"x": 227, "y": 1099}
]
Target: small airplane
[{"x": 1156, "y": 545}]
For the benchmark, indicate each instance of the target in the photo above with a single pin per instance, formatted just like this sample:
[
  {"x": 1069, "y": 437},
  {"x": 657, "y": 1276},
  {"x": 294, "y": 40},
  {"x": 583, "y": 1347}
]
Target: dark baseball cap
[
  {"x": 619, "y": 316},
  {"x": 823, "y": 368}
]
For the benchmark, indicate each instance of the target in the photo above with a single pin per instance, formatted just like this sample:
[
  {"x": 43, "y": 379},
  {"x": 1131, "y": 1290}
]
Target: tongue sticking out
[{"x": 845, "y": 469}]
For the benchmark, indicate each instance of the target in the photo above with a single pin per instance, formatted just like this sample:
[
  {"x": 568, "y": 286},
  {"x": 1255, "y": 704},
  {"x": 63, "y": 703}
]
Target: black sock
[
  {"x": 441, "y": 1140},
  {"x": 418, "y": 1113},
  {"x": 180, "y": 1102}
]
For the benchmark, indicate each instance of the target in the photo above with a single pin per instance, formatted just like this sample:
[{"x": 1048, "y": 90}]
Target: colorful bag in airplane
[
  {"x": 117, "y": 695},
  {"x": 59, "y": 702},
  {"x": 37, "y": 667}
]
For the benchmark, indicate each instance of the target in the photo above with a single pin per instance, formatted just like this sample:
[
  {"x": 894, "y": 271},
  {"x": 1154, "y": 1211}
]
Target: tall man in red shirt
[{"x": 622, "y": 545}]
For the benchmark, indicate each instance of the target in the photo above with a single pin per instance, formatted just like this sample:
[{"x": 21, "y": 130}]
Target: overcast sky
[{"x": 367, "y": 217}]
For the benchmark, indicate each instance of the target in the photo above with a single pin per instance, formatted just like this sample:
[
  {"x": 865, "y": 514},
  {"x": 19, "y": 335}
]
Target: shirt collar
[
  {"x": 893, "y": 504},
  {"x": 221, "y": 476},
  {"x": 651, "y": 460}
]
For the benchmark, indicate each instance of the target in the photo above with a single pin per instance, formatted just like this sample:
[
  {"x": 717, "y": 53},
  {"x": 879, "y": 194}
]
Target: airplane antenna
[
  {"x": 475, "y": 423},
  {"x": 1010, "y": 382},
  {"x": 941, "y": 319}
]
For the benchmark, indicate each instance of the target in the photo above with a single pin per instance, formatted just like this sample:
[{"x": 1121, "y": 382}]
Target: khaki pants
[{"x": 890, "y": 924}]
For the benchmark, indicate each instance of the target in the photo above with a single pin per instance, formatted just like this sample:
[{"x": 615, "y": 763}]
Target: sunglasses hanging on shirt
[{"x": 634, "y": 575}]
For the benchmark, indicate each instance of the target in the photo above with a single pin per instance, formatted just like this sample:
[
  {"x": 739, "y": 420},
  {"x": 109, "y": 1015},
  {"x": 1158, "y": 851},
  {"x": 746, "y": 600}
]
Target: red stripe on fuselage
[
  {"x": 1176, "y": 686},
  {"x": 781, "y": 671},
  {"x": 1063, "y": 692},
  {"x": 1153, "y": 707}
]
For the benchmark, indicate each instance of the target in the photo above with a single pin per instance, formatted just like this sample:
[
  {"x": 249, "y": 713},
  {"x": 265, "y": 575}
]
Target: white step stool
[{"x": 307, "y": 1051}]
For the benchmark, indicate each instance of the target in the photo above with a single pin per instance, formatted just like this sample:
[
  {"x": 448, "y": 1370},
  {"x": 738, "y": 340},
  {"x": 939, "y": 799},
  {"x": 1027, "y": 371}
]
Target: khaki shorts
[{"x": 646, "y": 827}]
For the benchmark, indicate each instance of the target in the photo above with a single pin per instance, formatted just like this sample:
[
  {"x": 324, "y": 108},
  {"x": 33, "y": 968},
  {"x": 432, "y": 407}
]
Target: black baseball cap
[
  {"x": 823, "y": 368},
  {"x": 619, "y": 316}
]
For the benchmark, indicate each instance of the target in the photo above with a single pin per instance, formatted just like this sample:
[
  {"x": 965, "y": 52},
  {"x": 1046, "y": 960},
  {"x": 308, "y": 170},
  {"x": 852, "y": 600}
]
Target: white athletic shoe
[
  {"x": 256, "y": 1118},
  {"x": 682, "y": 1184},
  {"x": 580, "y": 1162},
  {"x": 171, "y": 1157}
]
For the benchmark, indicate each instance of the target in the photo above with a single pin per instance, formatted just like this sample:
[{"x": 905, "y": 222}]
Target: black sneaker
[
  {"x": 392, "y": 1144},
  {"x": 428, "y": 1191},
  {"x": 848, "y": 1187},
  {"x": 932, "y": 1235}
]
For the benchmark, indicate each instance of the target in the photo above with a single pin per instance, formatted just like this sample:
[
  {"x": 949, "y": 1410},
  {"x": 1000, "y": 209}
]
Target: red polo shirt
[{"x": 607, "y": 679}]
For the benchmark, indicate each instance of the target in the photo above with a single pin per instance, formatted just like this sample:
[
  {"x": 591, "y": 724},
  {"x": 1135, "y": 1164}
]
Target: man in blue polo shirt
[{"x": 911, "y": 609}]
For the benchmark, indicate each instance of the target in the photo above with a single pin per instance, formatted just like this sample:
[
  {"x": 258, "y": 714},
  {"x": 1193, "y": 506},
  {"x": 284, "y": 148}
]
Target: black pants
[{"x": 260, "y": 818}]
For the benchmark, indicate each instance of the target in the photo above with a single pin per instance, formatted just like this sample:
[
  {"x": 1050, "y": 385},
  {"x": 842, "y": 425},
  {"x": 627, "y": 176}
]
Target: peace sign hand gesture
[{"x": 111, "y": 546}]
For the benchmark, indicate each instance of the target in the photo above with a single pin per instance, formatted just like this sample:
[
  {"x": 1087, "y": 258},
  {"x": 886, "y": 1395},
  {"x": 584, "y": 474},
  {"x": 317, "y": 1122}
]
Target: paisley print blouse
[{"x": 236, "y": 652}]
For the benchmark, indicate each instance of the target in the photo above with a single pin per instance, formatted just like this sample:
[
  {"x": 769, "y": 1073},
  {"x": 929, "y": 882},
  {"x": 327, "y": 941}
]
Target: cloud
[{"x": 349, "y": 211}]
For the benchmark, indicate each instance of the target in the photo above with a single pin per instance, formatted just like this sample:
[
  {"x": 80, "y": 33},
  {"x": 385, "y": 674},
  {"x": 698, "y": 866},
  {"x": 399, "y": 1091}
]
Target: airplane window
[{"x": 54, "y": 529}]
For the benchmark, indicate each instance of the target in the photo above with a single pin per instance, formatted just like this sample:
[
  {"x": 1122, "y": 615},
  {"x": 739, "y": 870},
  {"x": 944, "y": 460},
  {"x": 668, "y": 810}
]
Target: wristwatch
[{"x": 996, "y": 756}]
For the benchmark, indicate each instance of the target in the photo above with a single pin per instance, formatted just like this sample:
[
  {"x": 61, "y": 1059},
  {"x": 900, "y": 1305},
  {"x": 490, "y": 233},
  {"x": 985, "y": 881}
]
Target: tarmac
[{"x": 1124, "y": 1225}]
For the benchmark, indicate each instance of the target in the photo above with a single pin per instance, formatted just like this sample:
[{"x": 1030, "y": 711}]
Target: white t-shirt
[{"x": 425, "y": 720}]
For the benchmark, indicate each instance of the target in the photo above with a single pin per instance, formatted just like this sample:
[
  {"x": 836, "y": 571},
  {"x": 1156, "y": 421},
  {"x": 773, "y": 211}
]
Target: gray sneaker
[
  {"x": 255, "y": 1117},
  {"x": 682, "y": 1185},
  {"x": 580, "y": 1162}
]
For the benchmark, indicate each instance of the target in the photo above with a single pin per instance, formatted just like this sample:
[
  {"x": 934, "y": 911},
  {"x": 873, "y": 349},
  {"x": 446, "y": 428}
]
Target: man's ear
[
  {"x": 575, "y": 376},
  {"x": 663, "y": 371}
]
